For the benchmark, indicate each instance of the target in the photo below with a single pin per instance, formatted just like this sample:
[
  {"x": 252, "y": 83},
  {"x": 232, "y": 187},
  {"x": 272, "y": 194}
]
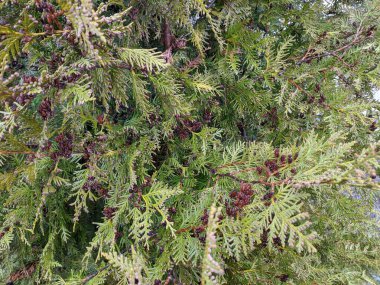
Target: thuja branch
[
  {"x": 300, "y": 184},
  {"x": 324, "y": 104},
  {"x": 359, "y": 37},
  {"x": 91, "y": 276},
  {"x": 94, "y": 274},
  {"x": 266, "y": 183}
]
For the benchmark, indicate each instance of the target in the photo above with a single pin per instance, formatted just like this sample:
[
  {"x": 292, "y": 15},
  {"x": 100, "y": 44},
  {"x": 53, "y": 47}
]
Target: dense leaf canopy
[{"x": 189, "y": 142}]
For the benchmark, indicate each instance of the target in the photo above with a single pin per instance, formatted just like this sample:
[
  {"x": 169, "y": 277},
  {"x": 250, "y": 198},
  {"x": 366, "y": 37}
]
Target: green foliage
[{"x": 189, "y": 142}]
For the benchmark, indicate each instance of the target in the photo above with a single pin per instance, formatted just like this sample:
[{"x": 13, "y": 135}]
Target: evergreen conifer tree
[{"x": 189, "y": 142}]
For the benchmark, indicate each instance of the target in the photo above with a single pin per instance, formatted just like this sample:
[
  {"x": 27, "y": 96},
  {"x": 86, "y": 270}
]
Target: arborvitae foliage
[{"x": 189, "y": 142}]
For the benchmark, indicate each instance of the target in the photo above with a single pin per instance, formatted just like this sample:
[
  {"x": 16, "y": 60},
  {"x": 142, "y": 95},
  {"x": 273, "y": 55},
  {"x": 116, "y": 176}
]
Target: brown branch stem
[
  {"x": 5, "y": 152},
  {"x": 91, "y": 276}
]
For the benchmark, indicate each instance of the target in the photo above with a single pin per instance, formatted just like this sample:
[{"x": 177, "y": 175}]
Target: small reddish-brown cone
[
  {"x": 109, "y": 212},
  {"x": 45, "y": 110},
  {"x": 65, "y": 146}
]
